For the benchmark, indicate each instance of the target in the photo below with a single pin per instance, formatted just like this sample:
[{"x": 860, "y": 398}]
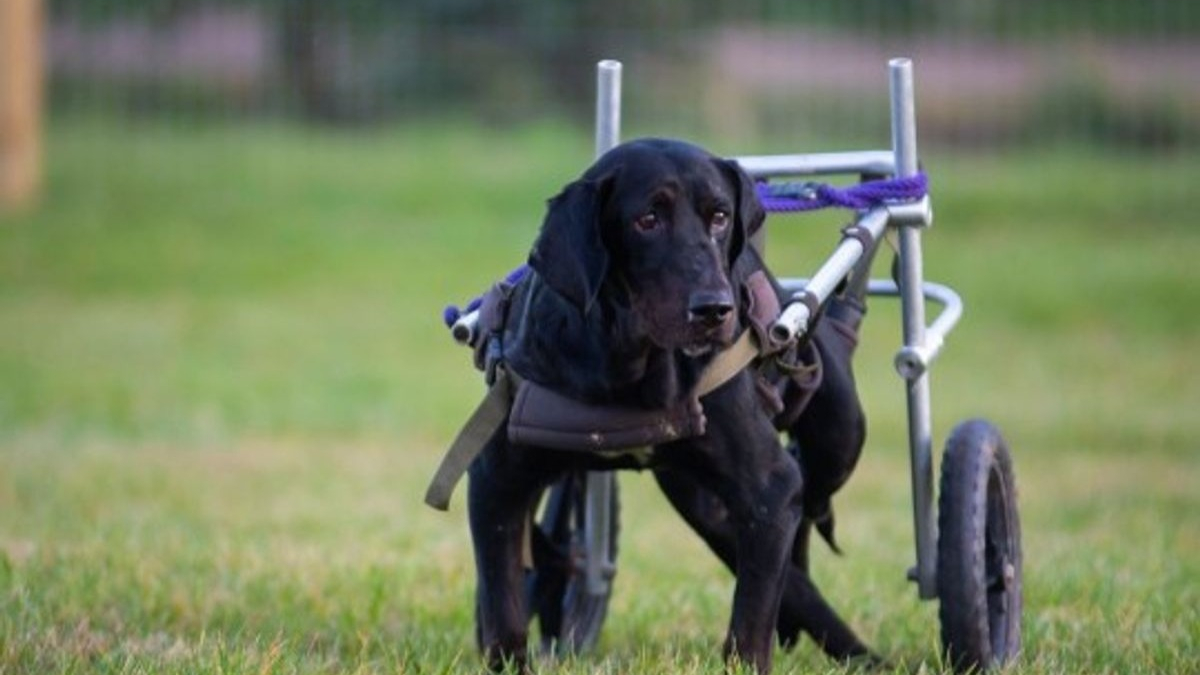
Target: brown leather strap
[
  {"x": 471, "y": 439},
  {"x": 762, "y": 306}
]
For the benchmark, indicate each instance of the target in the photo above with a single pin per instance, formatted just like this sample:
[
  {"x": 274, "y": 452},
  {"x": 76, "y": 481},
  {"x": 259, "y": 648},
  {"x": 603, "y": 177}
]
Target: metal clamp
[{"x": 912, "y": 214}]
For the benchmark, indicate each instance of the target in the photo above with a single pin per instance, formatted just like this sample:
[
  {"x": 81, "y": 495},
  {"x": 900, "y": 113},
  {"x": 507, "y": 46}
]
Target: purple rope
[
  {"x": 453, "y": 313},
  {"x": 794, "y": 197}
]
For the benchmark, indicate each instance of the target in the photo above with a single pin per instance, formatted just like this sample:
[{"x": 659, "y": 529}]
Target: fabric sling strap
[
  {"x": 471, "y": 439},
  {"x": 491, "y": 412},
  {"x": 728, "y": 363}
]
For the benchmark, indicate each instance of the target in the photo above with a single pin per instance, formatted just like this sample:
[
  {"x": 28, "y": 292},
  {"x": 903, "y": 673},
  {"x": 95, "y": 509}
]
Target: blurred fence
[{"x": 990, "y": 72}]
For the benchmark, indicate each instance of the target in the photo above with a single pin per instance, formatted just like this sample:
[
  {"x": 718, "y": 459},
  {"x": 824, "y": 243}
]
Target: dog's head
[{"x": 655, "y": 225}]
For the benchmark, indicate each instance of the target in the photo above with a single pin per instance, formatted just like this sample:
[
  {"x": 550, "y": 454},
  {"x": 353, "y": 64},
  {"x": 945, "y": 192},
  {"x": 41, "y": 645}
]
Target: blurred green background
[{"x": 224, "y": 378}]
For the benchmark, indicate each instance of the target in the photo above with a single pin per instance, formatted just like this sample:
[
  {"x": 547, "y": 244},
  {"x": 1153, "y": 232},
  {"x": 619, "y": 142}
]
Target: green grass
[{"x": 224, "y": 383}]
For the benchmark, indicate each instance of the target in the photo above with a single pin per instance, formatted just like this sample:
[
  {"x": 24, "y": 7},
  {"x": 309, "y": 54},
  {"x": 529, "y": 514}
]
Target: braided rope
[{"x": 798, "y": 197}]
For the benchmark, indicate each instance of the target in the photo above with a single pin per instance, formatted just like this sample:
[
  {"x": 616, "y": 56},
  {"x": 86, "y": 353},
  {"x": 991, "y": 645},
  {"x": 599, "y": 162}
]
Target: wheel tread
[{"x": 973, "y": 450}]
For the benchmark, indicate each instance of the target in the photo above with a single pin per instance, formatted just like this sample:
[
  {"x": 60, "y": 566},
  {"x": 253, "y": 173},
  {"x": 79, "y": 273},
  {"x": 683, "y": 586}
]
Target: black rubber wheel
[
  {"x": 569, "y": 617},
  {"x": 979, "y": 550}
]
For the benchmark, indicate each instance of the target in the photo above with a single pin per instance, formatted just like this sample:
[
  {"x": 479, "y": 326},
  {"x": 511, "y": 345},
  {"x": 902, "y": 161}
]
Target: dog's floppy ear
[
  {"x": 750, "y": 214},
  {"x": 569, "y": 252}
]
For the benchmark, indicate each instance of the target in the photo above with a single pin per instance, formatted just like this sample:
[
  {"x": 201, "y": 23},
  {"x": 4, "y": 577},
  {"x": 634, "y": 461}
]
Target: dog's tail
[{"x": 825, "y": 526}]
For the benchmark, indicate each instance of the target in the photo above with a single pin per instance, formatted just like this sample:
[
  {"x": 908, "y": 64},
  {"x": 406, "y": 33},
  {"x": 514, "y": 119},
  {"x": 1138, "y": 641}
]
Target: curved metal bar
[{"x": 922, "y": 356}]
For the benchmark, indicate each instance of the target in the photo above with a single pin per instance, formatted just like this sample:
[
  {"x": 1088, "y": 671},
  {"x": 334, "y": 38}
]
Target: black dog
[{"x": 640, "y": 277}]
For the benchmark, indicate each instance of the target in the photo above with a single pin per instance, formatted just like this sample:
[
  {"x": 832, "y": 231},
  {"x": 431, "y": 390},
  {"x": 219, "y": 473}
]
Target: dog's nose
[{"x": 710, "y": 309}]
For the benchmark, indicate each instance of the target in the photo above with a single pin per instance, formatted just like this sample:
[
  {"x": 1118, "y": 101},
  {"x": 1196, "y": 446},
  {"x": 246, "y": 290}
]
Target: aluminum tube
[
  {"x": 597, "y": 521},
  {"x": 608, "y": 105},
  {"x": 822, "y": 163},
  {"x": 465, "y": 330},
  {"x": 793, "y": 321},
  {"x": 792, "y": 285},
  {"x": 912, "y": 304},
  {"x": 597, "y": 526},
  {"x": 904, "y": 120}
]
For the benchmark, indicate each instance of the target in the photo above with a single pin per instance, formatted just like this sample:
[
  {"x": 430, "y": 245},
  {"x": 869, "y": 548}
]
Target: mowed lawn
[{"x": 224, "y": 383}]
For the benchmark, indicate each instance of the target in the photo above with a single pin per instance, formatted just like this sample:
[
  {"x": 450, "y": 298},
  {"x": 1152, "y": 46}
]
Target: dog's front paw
[{"x": 508, "y": 662}]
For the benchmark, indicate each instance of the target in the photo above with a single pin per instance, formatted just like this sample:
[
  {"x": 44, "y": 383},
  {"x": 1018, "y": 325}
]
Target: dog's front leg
[
  {"x": 499, "y": 499},
  {"x": 767, "y": 519},
  {"x": 761, "y": 486}
]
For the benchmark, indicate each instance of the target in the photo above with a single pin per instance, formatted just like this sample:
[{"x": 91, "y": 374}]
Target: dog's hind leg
[
  {"x": 802, "y": 607},
  {"x": 830, "y": 433},
  {"x": 805, "y": 609},
  {"x": 500, "y": 496}
]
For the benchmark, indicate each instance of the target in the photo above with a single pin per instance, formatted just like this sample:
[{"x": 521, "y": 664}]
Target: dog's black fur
[{"x": 636, "y": 283}]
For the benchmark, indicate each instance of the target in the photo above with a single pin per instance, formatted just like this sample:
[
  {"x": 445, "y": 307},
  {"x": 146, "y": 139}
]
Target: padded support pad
[{"x": 541, "y": 417}]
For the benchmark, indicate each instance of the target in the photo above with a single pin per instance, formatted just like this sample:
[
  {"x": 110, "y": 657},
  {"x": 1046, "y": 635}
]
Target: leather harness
[{"x": 540, "y": 416}]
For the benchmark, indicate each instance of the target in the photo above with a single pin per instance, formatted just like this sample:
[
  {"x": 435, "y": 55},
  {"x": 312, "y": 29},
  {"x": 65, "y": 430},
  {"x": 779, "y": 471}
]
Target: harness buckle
[{"x": 492, "y": 358}]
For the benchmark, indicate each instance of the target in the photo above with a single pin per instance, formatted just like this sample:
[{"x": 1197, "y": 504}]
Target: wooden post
[{"x": 21, "y": 77}]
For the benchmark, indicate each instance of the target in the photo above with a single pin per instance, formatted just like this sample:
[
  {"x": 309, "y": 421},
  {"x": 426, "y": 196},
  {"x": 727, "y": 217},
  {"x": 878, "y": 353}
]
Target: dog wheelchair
[{"x": 968, "y": 548}]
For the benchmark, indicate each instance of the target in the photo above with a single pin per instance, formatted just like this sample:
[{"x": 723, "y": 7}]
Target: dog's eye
[
  {"x": 719, "y": 222},
  {"x": 646, "y": 222}
]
